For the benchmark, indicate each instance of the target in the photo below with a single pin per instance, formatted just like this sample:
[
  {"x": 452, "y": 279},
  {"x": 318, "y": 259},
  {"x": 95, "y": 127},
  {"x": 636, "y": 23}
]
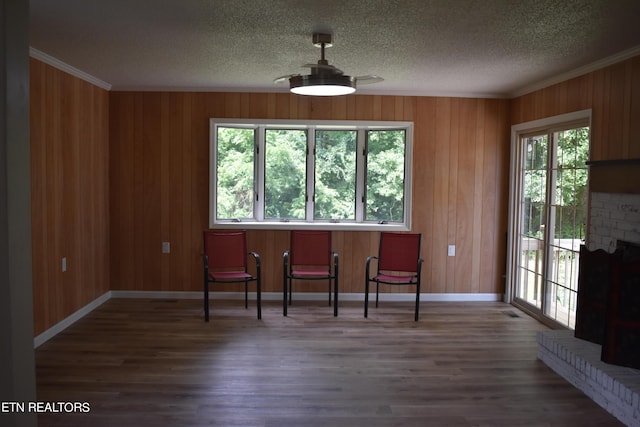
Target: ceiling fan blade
[
  {"x": 368, "y": 79},
  {"x": 283, "y": 79},
  {"x": 323, "y": 70}
]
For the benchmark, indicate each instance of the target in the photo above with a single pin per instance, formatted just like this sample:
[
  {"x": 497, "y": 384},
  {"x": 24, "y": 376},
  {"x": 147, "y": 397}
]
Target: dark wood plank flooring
[{"x": 157, "y": 363}]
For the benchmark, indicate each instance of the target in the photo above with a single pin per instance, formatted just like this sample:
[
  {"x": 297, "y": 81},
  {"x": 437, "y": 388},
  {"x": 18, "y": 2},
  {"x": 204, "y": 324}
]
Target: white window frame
[
  {"x": 515, "y": 185},
  {"x": 259, "y": 222}
]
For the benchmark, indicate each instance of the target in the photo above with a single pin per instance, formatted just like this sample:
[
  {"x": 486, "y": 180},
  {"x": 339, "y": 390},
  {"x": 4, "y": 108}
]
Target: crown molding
[
  {"x": 597, "y": 65},
  {"x": 56, "y": 63},
  {"x": 611, "y": 60},
  {"x": 256, "y": 89}
]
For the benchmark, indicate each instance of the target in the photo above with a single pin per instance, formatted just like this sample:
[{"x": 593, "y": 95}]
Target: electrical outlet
[
  {"x": 166, "y": 247},
  {"x": 64, "y": 264},
  {"x": 451, "y": 250}
]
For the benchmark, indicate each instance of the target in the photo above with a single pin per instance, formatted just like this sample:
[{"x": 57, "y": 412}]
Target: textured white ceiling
[{"x": 493, "y": 48}]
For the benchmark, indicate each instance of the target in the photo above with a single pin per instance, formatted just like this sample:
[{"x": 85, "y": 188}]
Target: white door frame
[{"x": 515, "y": 178}]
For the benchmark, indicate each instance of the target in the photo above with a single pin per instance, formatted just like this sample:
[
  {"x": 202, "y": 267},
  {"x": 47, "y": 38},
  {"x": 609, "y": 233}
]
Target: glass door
[
  {"x": 567, "y": 205},
  {"x": 551, "y": 218},
  {"x": 533, "y": 208}
]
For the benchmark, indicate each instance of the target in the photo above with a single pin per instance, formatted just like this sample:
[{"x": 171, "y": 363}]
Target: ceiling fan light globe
[
  {"x": 321, "y": 85},
  {"x": 323, "y": 90}
]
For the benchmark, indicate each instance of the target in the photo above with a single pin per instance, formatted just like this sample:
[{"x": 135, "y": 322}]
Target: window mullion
[
  {"x": 550, "y": 202},
  {"x": 360, "y": 175},
  {"x": 213, "y": 175},
  {"x": 408, "y": 174},
  {"x": 310, "y": 179},
  {"x": 259, "y": 173}
]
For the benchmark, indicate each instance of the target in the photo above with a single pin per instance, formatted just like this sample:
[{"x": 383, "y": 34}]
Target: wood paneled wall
[
  {"x": 613, "y": 94},
  {"x": 69, "y": 193},
  {"x": 159, "y": 171},
  {"x": 115, "y": 174}
]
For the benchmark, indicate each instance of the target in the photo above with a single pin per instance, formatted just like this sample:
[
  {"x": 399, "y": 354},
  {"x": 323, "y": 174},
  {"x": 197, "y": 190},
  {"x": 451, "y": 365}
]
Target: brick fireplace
[
  {"x": 614, "y": 220},
  {"x": 613, "y": 217}
]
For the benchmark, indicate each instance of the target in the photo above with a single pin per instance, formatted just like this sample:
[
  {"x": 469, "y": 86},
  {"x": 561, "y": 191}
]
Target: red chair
[
  {"x": 309, "y": 258},
  {"x": 225, "y": 261},
  {"x": 399, "y": 263}
]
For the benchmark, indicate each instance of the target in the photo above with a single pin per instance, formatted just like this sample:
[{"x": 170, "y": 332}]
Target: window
[
  {"x": 385, "y": 175},
  {"x": 335, "y": 179},
  {"x": 320, "y": 174}
]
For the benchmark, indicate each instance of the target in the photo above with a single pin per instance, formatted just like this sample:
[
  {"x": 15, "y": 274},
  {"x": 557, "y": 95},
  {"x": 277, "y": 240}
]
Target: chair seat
[
  {"x": 308, "y": 273},
  {"x": 229, "y": 275},
  {"x": 391, "y": 278}
]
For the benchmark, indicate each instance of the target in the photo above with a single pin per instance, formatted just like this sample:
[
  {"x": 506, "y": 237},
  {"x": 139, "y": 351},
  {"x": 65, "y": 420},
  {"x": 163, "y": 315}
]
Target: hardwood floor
[{"x": 157, "y": 363}]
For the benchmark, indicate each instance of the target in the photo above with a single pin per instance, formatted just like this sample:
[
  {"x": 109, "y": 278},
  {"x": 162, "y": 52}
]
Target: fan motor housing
[{"x": 321, "y": 38}]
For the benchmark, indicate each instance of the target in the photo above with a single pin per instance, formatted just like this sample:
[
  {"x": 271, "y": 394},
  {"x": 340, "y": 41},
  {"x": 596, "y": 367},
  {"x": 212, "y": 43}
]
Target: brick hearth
[{"x": 615, "y": 388}]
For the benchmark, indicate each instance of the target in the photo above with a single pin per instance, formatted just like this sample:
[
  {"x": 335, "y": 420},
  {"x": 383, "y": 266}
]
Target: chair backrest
[
  {"x": 310, "y": 247},
  {"x": 399, "y": 252},
  {"x": 226, "y": 249}
]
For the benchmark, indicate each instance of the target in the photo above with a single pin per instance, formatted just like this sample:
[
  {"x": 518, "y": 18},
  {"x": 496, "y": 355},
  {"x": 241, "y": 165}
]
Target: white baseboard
[
  {"x": 68, "y": 321},
  {"x": 462, "y": 297},
  {"x": 266, "y": 296},
  {"x": 308, "y": 296},
  {"x": 163, "y": 294}
]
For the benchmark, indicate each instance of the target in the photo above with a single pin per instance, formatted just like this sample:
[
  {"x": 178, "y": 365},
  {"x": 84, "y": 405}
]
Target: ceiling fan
[{"x": 325, "y": 79}]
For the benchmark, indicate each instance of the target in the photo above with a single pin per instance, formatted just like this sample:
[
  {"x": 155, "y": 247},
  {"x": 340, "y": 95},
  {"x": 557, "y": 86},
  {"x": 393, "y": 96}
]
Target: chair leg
[
  {"x": 284, "y": 295},
  {"x": 206, "y": 301},
  {"x": 259, "y": 297},
  {"x": 335, "y": 296},
  {"x": 417, "y": 302},
  {"x": 377, "y": 292},
  {"x": 329, "y": 291},
  {"x": 290, "y": 289},
  {"x": 366, "y": 298},
  {"x": 246, "y": 294}
]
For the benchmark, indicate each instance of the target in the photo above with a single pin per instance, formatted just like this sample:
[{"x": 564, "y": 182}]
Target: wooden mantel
[{"x": 615, "y": 176}]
